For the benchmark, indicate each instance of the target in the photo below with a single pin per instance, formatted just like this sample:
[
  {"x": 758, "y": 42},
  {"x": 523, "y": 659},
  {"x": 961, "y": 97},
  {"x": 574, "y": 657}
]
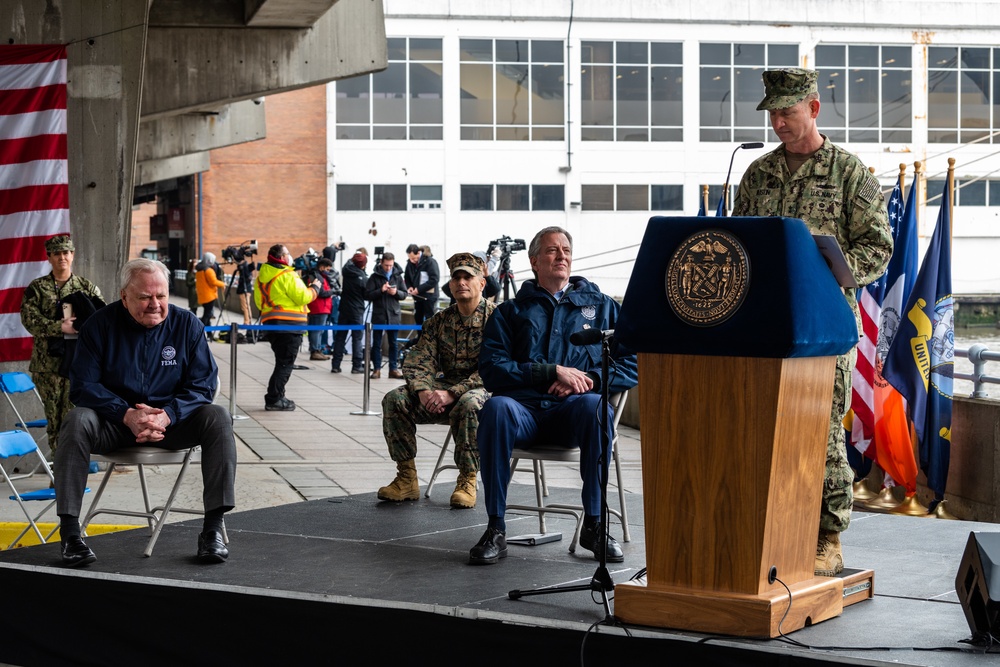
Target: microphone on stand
[
  {"x": 591, "y": 336},
  {"x": 725, "y": 188}
]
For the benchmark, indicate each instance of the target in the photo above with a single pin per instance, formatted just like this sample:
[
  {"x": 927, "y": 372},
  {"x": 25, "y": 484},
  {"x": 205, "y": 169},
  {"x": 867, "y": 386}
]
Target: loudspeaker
[{"x": 978, "y": 584}]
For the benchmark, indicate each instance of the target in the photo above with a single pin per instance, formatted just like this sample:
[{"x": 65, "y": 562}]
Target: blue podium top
[{"x": 742, "y": 287}]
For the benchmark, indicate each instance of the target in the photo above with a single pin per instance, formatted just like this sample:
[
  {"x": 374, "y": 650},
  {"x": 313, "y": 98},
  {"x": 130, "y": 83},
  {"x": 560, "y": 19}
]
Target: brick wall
[{"x": 273, "y": 190}]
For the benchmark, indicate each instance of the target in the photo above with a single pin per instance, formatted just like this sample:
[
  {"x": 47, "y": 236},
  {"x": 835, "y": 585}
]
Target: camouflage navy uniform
[
  {"x": 42, "y": 316},
  {"x": 446, "y": 356},
  {"x": 833, "y": 193}
]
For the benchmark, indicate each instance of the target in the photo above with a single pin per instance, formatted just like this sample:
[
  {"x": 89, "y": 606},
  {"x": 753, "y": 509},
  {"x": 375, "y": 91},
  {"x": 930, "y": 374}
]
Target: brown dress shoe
[
  {"x": 376, "y": 374},
  {"x": 396, "y": 375}
]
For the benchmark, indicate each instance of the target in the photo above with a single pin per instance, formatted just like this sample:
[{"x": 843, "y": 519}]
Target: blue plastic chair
[{"x": 19, "y": 443}]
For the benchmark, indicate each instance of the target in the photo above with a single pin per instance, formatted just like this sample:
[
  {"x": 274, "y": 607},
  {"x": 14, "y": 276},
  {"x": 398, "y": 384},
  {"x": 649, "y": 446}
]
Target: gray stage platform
[{"x": 373, "y": 569}]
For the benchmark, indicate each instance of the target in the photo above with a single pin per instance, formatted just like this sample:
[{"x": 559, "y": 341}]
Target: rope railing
[{"x": 367, "y": 328}]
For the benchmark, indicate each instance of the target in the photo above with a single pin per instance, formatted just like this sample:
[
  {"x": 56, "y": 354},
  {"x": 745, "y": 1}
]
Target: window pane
[
  {"x": 385, "y": 132},
  {"x": 477, "y": 94},
  {"x": 633, "y": 197},
  {"x": 715, "y": 54},
  {"x": 667, "y": 95},
  {"x": 596, "y": 52},
  {"x": 596, "y": 94},
  {"x": 547, "y": 98},
  {"x": 975, "y": 58},
  {"x": 350, "y": 132},
  {"x": 512, "y": 95},
  {"x": 896, "y": 56},
  {"x": 897, "y": 100},
  {"x": 512, "y": 50},
  {"x": 396, "y": 46},
  {"x": 425, "y": 192},
  {"x": 512, "y": 197},
  {"x": 942, "y": 97},
  {"x": 667, "y": 198},
  {"x": 782, "y": 55},
  {"x": 354, "y": 198},
  {"x": 864, "y": 106},
  {"x": 748, "y": 92},
  {"x": 425, "y": 94},
  {"x": 477, "y": 197},
  {"x": 389, "y": 197},
  {"x": 715, "y": 97},
  {"x": 547, "y": 198},
  {"x": 352, "y": 100},
  {"x": 632, "y": 52},
  {"x": 425, "y": 49},
  {"x": 975, "y": 99},
  {"x": 972, "y": 194},
  {"x": 598, "y": 197},
  {"x": 748, "y": 54},
  {"x": 666, "y": 53},
  {"x": 994, "y": 188},
  {"x": 476, "y": 50},
  {"x": 830, "y": 55},
  {"x": 633, "y": 105},
  {"x": 862, "y": 56},
  {"x": 389, "y": 94},
  {"x": 832, "y": 98},
  {"x": 546, "y": 51}
]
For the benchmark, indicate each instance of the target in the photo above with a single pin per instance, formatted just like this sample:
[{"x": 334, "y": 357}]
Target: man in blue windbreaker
[
  {"x": 545, "y": 388},
  {"x": 143, "y": 374}
]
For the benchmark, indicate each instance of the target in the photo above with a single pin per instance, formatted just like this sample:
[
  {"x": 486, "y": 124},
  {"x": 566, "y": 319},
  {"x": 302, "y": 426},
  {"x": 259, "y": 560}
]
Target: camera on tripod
[
  {"x": 507, "y": 246},
  {"x": 237, "y": 253}
]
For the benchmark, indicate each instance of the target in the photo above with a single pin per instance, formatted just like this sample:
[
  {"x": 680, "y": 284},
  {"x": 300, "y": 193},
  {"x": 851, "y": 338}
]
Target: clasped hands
[
  {"x": 435, "y": 401},
  {"x": 570, "y": 381},
  {"x": 148, "y": 424}
]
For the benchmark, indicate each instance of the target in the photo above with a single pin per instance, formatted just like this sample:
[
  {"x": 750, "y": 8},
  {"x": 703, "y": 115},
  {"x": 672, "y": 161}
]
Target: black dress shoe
[
  {"x": 492, "y": 546},
  {"x": 211, "y": 548},
  {"x": 281, "y": 405},
  {"x": 75, "y": 551},
  {"x": 335, "y": 369},
  {"x": 592, "y": 539}
]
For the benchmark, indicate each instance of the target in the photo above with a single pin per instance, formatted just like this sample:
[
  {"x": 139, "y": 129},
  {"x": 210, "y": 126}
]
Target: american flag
[{"x": 34, "y": 188}]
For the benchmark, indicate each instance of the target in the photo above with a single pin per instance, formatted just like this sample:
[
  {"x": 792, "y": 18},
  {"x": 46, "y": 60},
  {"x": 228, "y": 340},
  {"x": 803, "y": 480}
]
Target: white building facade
[{"x": 500, "y": 118}]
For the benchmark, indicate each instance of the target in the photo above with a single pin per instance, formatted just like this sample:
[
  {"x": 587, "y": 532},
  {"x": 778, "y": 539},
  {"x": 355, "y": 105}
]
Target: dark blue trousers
[{"x": 505, "y": 424}]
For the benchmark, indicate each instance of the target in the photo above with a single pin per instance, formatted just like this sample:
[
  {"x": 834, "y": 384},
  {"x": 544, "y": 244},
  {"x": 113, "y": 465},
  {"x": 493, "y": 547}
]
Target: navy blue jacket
[
  {"x": 528, "y": 336},
  {"x": 120, "y": 363}
]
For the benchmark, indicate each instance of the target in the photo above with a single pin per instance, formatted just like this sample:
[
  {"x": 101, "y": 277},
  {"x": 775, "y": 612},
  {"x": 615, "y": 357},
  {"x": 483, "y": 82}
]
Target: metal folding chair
[
  {"x": 19, "y": 443},
  {"x": 141, "y": 456},
  {"x": 440, "y": 465},
  {"x": 538, "y": 454},
  {"x": 20, "y": 385}
]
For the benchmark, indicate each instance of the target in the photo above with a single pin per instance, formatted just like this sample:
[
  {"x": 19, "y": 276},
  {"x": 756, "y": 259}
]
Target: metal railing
[{"x": 978, "y": 354}]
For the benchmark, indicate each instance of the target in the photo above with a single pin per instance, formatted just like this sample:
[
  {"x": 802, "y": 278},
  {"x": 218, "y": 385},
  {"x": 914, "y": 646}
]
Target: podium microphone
[
  {"x": 725, "y": 188},
  {"x": 591, "y": 336}
]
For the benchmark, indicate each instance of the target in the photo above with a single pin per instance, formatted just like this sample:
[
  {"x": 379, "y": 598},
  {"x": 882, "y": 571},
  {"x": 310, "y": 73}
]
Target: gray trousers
[{"x": 84, "y": 433}]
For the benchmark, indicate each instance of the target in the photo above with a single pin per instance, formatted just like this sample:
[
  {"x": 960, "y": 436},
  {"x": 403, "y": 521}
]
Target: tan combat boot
[
  {"x": 464, "y": 496},
  {"x": 829, "y": 560},
  {"x": 405, "y": 486}
]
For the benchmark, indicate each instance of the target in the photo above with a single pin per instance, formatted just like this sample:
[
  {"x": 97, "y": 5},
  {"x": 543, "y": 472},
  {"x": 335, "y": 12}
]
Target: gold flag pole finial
[
  {"x": 951, "y": 196},
  {"x": 704, "y": 198},
  {"x": 902, "y": 178}
]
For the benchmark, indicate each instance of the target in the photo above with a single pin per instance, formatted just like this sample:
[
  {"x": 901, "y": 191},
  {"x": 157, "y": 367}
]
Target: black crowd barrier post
[
  {"x": 233, "y": 335},
  {"x": 365, "y": 399}
]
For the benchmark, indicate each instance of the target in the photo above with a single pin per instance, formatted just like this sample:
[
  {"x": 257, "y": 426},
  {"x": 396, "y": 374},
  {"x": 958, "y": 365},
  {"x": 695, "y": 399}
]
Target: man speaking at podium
[
  {"x": 546, "y": 388},
  {"x": 831, "y": 190}
]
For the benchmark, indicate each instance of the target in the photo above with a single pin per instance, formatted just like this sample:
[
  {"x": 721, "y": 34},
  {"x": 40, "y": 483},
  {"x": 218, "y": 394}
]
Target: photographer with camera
[
  {"x": 333, "y": 277},
  {"x": 282, "y": 298},
  {"x": 385, "y": 289},
  {"x": 244, "y": 275},
  {"x": 207, "y": 283},
  {"x": 422, "y": 276},
  {"x": 500, "y": 251}
]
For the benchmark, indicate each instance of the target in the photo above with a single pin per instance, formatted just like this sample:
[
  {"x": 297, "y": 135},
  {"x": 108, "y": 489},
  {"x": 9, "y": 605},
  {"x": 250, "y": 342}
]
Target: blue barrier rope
[{"x": 315, "y": 327}]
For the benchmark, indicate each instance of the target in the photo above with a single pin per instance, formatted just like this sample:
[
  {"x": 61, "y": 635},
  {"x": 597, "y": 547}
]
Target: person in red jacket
[{"x": 319, "y": 310}]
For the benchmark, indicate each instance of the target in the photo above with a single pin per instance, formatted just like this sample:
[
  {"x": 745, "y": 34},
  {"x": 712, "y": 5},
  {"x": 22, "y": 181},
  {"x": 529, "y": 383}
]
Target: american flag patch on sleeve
[{"x": 871, "y": 192}]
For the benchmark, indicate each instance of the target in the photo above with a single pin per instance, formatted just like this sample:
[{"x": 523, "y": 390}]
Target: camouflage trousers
[
  {"x": 838, "y": 492},
  {"x": 402, "y": 411},
  {"x": 54, "y": 390}
]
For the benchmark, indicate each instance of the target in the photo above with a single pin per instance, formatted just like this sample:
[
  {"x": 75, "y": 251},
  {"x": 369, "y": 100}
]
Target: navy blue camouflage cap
[
  {"x": 786, "y": 87},
  {"x": 59, "y": 243}
]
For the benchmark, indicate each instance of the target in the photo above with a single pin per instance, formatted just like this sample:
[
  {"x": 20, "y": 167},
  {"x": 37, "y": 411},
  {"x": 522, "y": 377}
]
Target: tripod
[
  {"x": 506, "y": 276},
  {"x": 601, "y": 581}
]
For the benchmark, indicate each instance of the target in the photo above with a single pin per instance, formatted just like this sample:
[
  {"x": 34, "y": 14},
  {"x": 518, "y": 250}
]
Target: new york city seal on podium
[{"x": 707, "y": 278}]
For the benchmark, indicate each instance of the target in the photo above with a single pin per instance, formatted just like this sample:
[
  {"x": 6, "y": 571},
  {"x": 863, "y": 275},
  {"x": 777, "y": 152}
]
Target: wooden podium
[{"x": 734, "y": 420}]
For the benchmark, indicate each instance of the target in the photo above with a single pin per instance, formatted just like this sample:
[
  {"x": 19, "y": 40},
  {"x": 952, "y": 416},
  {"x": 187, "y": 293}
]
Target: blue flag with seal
[{"x": 921, "y": 360}]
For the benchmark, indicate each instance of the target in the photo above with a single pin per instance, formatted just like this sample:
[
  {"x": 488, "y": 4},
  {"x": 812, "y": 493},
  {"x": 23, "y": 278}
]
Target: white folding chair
[
  {"x": 538, "y": 454},
  {"x": 20, "y": 385},
  {"x": 20, "y": 444},
  {"x": 141, "y": 456}
]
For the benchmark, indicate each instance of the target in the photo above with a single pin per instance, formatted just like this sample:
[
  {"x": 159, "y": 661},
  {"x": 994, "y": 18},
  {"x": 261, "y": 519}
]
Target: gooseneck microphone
[
  {"x": 591, "y": 336},
  {"x": 725, "y": 188}
]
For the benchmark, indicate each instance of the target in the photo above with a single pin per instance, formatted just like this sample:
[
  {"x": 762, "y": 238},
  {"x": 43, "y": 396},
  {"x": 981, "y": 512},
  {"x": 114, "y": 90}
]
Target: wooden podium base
[{"x": 813, "y": 600}]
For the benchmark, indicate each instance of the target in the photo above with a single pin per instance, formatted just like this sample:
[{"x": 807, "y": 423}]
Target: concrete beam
[
  {"x": 192, "y": 69},
  {"x": 197, "y": 132},
  {"x": 106, "y": 55},
  {"x": 285, "y": 13},
  {"x": 152, "y": 171}
]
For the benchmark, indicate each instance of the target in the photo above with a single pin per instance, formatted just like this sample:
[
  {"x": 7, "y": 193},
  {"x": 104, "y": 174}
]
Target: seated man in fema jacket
[
  {"x": 143, "y": 374},
  {"x": 544, "y": 388}
]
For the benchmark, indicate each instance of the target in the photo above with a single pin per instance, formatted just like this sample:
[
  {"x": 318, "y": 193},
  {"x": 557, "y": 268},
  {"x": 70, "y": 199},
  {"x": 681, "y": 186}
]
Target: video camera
[
  {"x": 237, "y": 253},
  {"x": 307, "y": 264},
  {"x": 507, "y": 246}
]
